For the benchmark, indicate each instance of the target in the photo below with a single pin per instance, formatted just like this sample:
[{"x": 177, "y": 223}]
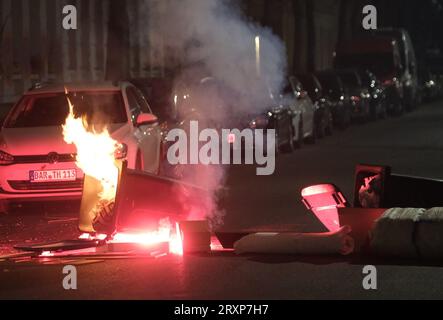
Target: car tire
[
  {"x": 383, "y": 112},
  {"x": 322, "y": 126},
  {"x": 313, "y": 137},
  {"x": 138, "y": 161},
  {"x": 289, "y": 146},
  {"x": 299, "y": 142},
  {"x": 345, "y": 121},
  {"x": 330, "y": 123}
]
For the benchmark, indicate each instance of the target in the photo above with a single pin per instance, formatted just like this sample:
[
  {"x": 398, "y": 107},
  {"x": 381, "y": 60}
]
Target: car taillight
[
  {"x": 6, "y": 158},
  {"x": 121, "y": 151},
  {"x": 393, "y": 81},
  {"x": 231, "y": 138}
]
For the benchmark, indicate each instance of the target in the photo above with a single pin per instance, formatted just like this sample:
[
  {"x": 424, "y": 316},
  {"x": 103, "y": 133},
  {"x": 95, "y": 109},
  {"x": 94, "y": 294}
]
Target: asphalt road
[{"x": 411, "y": 144}]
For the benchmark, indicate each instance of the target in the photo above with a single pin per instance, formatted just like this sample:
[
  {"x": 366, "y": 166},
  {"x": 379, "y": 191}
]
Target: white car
[
  {"x": 302, "y": 105},
  {"x": 35, "y": 161}
]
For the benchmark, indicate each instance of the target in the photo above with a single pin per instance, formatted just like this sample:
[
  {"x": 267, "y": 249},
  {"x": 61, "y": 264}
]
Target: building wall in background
[{"x": 34, "y": 47}]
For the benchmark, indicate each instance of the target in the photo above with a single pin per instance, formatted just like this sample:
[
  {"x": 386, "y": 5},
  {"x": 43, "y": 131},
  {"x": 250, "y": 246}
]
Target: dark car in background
[
  {"x": 408, "y": 64},
  {"x": 359, "y": 94},
  {"x": 377, "y": 95},
  {"x": 279, "y": 118},
  {"x": 335, "y": 91},
  {"x": 382, "y": 57},
  {"x": 322, "y": 104}
]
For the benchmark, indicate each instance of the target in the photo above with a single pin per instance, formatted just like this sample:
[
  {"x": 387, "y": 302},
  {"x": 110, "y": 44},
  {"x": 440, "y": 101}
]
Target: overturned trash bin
[{"x": 141, "y": 201}]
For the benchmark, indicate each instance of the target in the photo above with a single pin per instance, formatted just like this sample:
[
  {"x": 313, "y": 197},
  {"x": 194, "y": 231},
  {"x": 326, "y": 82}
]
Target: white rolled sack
[
  {"x": 337, "y": 242},
  {"x": 429, "y": 234},
  {"x": 393, "y": 234},
  {"x": 409, "y": 233}
]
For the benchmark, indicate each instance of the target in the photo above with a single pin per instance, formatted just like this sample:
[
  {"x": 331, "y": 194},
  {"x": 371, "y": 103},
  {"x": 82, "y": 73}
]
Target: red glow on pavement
[
  {"x": 46, "y": 254},
  {"x": 165, "y": 233},
  {"x": 176, "y": 242}
]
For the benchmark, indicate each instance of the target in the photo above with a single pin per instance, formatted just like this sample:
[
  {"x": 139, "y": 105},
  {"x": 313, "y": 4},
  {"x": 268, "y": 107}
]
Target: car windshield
[
  {"x": 330, "y": 83},
  {"x": 379, "y": 63},
  {"x": 51, "y": 109}
]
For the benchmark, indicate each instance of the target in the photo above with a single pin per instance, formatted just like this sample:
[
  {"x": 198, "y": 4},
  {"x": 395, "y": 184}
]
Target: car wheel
[
  {"x": 313, "y": 137},
  {"x": 383, "y": 111},
  {"x": 330, "y": 124},
  {"x": 289, "y": 146},
  {"x": 345, "y": 120},
  {"x": 299, "y": 141},
  {"x": 322, "y": 126}
]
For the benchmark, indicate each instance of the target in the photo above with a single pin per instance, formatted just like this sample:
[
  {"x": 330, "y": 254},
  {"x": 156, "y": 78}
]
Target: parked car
[
  {"x": 322, "y": 105},
  {"x": 377, "y": 95},
  {"x": 359, "y": 94},
  {"x": 382, "y": 57},
  {"x": 37, "y": 164},
  {"x": 408, "y": 64},
  {"x": 303, "y": 111},
  {"x": 339, "y": 97},
  {"x": 279, "y": 118}
]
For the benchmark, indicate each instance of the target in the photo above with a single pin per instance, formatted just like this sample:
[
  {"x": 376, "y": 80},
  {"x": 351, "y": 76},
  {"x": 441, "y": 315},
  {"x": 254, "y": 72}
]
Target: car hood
[{"x": 41, "y": 140}]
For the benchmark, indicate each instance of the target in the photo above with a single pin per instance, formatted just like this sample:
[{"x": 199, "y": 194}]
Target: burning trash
[
  {"x": 124, "y": 205},
  {"x": 95, "y": 156}
]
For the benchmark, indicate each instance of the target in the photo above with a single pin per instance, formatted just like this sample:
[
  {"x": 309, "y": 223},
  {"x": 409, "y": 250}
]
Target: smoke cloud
[{"x": 211, "y": 38}]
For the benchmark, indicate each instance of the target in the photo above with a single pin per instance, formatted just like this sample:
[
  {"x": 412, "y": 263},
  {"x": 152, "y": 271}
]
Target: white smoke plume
[
  {"x": 212, "y": 38},
  {"x": 215, "y": 35}
]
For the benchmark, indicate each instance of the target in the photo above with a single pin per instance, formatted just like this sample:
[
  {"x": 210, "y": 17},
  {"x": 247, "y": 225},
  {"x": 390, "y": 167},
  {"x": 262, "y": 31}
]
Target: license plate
[{"x": 52, "y": 175}]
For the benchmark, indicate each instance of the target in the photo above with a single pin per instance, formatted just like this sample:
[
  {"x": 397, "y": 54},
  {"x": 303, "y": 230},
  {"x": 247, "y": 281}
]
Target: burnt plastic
[{"x": 401, "y": 190}]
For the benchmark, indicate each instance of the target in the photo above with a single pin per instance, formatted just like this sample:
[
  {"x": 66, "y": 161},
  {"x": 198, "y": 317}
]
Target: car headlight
[
  {"x": 121, "y": 151},
  {"x": 259, "y": 122},
  {"x": 6, "y": 158}
]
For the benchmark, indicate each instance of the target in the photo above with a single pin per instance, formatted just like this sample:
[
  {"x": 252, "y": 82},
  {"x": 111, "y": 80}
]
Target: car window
[
  {"x": 144, "y": 106},
  {"x": 134, "y": 106},
  {"x": 51, "y": 109}
]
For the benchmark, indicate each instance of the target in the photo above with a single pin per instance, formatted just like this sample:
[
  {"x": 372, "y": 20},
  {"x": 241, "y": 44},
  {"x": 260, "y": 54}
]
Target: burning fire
[
  {"x": 96, "y": 157},
  {"x": 95, "y": 152},
  {"x": 165, "y": 233}
]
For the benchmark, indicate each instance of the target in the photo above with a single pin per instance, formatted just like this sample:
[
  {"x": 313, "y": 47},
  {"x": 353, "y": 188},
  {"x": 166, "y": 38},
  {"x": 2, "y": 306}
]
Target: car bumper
[{"x": 15, "y": 184}]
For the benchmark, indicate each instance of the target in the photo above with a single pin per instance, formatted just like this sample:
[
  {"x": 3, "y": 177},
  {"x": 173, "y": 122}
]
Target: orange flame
[
  {"x": 95, "y": 156},
  {"x": 95, "y": 152}
]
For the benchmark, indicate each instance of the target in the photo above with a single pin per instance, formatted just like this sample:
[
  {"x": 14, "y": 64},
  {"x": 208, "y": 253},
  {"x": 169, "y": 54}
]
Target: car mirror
[{"x": 145, "y": 119}]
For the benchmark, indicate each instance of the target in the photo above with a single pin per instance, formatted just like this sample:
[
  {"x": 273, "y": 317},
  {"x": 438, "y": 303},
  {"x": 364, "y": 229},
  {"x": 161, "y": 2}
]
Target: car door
[
  {"x": 148, "y": 135},
  {"x": 304, "y": 104}
]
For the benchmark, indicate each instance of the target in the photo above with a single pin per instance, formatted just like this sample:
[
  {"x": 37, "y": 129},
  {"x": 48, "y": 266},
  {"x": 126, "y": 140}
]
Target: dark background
[{"x": 34, "y": 47}]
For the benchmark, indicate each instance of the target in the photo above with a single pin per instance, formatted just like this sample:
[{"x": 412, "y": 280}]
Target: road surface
[{"x": 411, "y": 144}]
